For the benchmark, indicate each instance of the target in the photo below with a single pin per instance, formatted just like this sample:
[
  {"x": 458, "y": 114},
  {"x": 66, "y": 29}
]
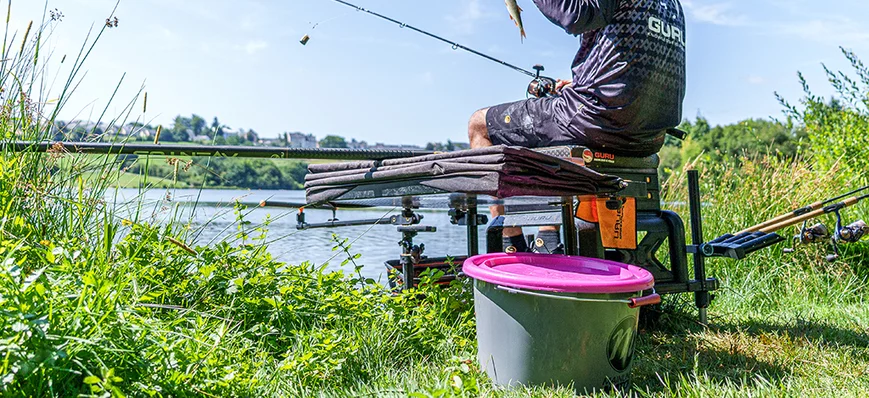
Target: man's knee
[
  {"x": 478, "y": 121},
  {"x": 477, "y": 130}
]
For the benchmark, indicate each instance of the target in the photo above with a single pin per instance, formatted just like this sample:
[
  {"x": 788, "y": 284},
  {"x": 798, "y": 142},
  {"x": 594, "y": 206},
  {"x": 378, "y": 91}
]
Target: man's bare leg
[{"x": 478, "y": 134}]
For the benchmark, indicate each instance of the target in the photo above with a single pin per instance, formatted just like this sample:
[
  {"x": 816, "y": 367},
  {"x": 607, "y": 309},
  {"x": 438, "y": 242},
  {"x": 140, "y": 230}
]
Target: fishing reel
[
  {"x": 541, "y": 86},
  {"x": 817, "y": 233},
  {"x": 851, "y": 233}
]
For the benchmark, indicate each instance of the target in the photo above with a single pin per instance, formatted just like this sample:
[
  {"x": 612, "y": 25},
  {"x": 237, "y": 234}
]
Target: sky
[{"x": 365, "y": 78}]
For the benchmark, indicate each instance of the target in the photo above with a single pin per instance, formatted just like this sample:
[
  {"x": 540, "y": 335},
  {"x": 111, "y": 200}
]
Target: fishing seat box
[
  {"x": 639, "y": 169},
  {"x": 654, "y": 227}
]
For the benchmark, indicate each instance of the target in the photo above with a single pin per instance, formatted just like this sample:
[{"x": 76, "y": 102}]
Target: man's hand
[{"x": 560, "y": 84}]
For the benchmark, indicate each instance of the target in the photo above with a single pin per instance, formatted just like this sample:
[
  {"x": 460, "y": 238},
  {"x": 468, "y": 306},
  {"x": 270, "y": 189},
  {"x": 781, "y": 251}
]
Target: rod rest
[{"x": 739, "y": 246}]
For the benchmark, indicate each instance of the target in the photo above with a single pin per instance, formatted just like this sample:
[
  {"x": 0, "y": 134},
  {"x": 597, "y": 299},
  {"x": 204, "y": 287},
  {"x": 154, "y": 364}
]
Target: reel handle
[{"x": 538, "y": 68}]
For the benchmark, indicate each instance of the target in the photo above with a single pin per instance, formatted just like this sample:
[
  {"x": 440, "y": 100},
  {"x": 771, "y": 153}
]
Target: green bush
[
  {"x": 838, "y": 128},
  {"x": 153, "y": 316},
  {"x": 730, "y": 143}
]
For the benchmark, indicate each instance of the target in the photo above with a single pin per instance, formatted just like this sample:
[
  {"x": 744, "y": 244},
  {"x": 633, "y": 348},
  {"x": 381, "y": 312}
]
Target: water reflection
[{"x": 211, "y": 217}]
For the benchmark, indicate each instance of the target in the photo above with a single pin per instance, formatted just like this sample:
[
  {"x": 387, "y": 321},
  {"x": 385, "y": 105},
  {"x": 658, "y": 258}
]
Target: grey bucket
[
  {"x": 528, "y": 337},
  {"x": 557, "y": 320}
]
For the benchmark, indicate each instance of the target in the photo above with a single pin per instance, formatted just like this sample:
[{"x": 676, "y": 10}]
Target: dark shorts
[{"x": 531, "y": 123}]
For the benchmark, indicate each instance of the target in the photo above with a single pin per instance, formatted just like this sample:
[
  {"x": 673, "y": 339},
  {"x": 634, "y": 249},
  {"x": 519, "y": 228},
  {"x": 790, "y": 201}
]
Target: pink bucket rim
[{"x": 557, "y": 273}]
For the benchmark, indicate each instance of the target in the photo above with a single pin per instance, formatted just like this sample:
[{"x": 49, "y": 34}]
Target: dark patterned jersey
[{"x": 629, "y": 73}]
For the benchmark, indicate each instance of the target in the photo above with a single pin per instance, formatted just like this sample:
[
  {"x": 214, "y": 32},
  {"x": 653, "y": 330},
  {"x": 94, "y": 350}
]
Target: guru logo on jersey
[{"x": 659, "y": 27}]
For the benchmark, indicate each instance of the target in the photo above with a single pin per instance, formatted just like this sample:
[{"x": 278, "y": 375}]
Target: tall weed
[
  {"x": 838, "y": 127},
  {"x": 737, "y": 195}
]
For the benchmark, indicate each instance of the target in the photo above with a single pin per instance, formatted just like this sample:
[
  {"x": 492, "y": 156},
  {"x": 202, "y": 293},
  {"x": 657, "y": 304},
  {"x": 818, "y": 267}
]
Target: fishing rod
[
  {"x": 830, "y": 208},
  {"x": 801, "y": 211},
  {"x": 541, "y": 86},
  {"x": 819, "y": 233},
  {"x": 106, "y": 148},
  {"x": 763, "y": 235}
]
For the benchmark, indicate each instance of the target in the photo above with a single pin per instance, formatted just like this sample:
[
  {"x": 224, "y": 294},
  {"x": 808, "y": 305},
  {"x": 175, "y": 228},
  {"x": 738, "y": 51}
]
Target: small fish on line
[
  {"x": 305, "y": 39},
  {"x": 516, "y": 15}
]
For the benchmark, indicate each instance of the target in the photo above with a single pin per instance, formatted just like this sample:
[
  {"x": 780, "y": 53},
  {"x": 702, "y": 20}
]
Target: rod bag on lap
[{"x": 499, "y": 171}]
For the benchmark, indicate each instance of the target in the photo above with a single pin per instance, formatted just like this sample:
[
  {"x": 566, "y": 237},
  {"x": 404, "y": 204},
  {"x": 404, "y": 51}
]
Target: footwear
[
  {"x": 548, "y": 242},
  {"x": 515, "y": 244}
]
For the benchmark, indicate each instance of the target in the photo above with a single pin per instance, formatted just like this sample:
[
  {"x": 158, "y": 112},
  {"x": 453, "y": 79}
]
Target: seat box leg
[{"x": 588, "y": 236}]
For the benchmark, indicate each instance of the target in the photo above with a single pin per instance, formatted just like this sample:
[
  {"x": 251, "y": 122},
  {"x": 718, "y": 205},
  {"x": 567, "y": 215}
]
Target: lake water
[{"x": 213, "y": 220}]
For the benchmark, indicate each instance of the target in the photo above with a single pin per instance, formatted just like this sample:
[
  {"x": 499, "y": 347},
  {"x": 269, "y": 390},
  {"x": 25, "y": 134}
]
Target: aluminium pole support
[{"x": 411, "y": 254}]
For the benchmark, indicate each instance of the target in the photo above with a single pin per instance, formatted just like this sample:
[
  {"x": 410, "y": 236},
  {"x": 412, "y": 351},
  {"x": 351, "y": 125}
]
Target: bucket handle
[{"x": 635, "y": 302}]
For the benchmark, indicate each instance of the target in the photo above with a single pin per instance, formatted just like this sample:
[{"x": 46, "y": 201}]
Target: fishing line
[
  {"x": 307, "y": 36},
  {"x": 455, "y": 45}
]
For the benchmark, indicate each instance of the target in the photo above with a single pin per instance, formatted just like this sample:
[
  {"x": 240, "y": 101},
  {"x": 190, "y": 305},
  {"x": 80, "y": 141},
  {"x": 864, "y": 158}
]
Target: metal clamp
[{"x": 635, "y": 302}]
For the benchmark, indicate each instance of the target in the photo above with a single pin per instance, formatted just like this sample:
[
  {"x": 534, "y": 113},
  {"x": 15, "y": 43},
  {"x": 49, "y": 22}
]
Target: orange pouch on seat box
[{"x": 618, "y": 228}]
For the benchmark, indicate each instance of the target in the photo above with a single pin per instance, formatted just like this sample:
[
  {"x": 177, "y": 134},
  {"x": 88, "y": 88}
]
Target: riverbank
[{"x": 210, "y": 217}]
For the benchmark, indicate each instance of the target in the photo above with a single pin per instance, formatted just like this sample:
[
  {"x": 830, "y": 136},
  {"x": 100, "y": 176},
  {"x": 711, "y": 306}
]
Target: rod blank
[
  {"x": 800, "y": 212},
  {"x": 808, "y": 216}
]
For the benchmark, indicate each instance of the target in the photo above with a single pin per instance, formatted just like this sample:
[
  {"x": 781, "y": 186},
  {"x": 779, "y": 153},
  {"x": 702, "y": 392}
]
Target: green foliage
[
  {"x": 223, "y": 172},
  {"x": 441, "y": 147},
  {"x": 748, "y": 137},
  {"x": 730, "y": 143},
  {"x": 333, "y": 141},
  {"x": 151, "y": 317},
  {"x": 838, "y": 128}
]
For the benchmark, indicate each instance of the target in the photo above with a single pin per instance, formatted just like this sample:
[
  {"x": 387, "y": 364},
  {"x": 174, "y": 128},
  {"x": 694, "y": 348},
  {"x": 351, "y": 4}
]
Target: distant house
[
  {"x": 299, "y": 140},
  {"x": 112, "y": 130},
  {"x": 128, "y": 130},
  {"x": 269, "y": 142},
  {"x": 400, "y": 147},
  {"x": 460, "y": 146},
  {"x": 353, "y": 144},
  {"x": 146, "y": 133}
]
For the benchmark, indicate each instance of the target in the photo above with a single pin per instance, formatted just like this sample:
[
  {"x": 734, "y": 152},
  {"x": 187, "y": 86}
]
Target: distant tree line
[
  {"x": 216, "y": 172},
  {"x": 188, "y": 128},
  {"x": 333, "y": 141},
  {"x": 732, "y": 142},
  {"x": 223, "y": 172},
  {"x": 437, "y": 146}
]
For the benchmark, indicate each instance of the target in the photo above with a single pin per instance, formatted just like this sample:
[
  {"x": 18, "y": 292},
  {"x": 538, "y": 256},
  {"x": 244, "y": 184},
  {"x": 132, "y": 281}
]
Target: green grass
[
  {"x": 96, "y": 305},
  {"x": 142, "y": 315},
  {"x": 130, "y": 180}
]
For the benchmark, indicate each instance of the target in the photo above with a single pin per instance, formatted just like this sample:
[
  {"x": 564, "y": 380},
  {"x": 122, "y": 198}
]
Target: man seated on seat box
[{"x": 627, "y": 89}]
